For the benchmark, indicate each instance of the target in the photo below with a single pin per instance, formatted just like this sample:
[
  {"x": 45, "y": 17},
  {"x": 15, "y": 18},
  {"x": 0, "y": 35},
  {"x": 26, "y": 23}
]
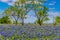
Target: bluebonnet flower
[
  {"x": 5, "y": 34},
  {"x": 57, "y": 39},
  {"x": 21, "y": 31},
  {"x": 38, "y": 34}
]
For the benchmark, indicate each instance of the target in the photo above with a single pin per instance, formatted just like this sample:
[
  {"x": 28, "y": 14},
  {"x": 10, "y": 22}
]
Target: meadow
[
  {"x": 42, "y": 18},
  {"x": 29, "y": 32}
]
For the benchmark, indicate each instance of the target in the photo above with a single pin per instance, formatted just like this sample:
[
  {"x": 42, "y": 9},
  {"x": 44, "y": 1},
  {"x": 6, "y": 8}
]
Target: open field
[{"x": 26, "y": 32}]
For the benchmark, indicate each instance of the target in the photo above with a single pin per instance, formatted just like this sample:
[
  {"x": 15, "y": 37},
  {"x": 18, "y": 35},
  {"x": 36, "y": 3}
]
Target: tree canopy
[
  {"x": 42, "y": 16},
  {"x": 5, "y": 20},
  {"x": 20, "y": 9},
  {"x": 57, "y": 19}
]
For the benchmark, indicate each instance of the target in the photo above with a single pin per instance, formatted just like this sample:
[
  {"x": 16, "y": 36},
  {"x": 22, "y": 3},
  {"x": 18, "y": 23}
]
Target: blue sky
[{"x": 53, "y": 5}]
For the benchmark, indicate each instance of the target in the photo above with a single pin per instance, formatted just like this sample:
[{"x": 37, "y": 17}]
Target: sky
[{"x": 53, "y": 5}]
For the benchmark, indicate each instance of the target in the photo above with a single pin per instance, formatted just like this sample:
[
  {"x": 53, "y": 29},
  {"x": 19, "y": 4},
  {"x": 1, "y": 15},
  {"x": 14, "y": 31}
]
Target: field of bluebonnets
[
  {"x": 38, "y": 12},
  {"x": 29, "y": 32}
]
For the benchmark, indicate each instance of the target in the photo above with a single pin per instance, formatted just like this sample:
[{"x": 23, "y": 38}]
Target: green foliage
[
  {"x": 42, "y": 16},
  {"x": 57, "y": 19},
  {"x": 16, "y": 11},
  {"x": 5, "y": 20},
  {"x": 20, "y": 9},
  {"x": 20, "y": 38}
]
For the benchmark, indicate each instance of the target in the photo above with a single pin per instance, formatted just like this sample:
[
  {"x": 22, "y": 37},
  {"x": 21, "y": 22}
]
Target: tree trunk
[
  {"x": 22, "y": 21},
  {"x": 16, "y": 22},
  {"x": 39, "y": 22}
]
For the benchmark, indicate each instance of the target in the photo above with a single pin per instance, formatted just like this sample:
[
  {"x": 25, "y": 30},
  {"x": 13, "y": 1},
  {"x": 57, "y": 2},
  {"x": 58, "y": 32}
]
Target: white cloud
[
  {"x": 9, "y": 2},
  {"x": 54, "y": 13},
  {"x": 3, "y": 0},
  {"x": 12, "y": 3},
  {"x": 52, "y": 3},
  {"x": 51, "y": 8}
]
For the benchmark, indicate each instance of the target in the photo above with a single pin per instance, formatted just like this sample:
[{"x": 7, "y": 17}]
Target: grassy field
[{"x": 29, "y": 32}]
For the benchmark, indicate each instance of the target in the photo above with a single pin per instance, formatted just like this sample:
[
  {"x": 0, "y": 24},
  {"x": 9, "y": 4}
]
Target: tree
[
  {"x": 5, "y": 20},
  {"x": 16, "y": 11},
  {"x": 57, "y": 19},
  {"x": 42, "y": 16},
  {"x": 40, "y": 10},
  {"x": 27, "y": 5},
  {"x": 11, "y": 11},
  {"x": 20, "y": 8}
]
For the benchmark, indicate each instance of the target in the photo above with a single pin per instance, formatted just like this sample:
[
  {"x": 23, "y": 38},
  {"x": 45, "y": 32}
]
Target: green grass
[{"x": 18, "y": 38}]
